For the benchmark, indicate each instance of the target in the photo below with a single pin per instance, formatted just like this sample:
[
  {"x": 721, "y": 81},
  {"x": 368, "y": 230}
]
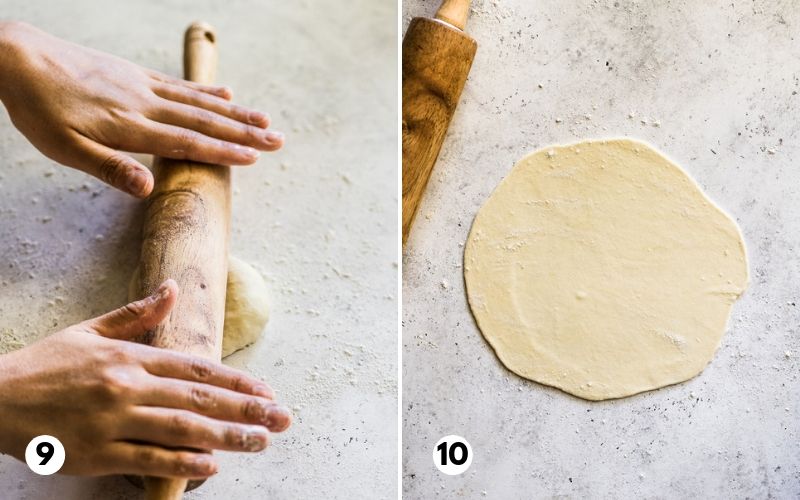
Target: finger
[
  {"x": 138, "y": 317},
  {"x": 215, "y": 90},
  {"x": 182, "y": 366},
  {"x": 115, "y": 168},
  {"x": 211, "y": 103},
  {"x": 148, "y": 460},
  {"x": 215, "y": 125},
  {"x": 180, "y": 143},
  {"x": 179, "y": 428},
  {"x": 215, "y": 402}
]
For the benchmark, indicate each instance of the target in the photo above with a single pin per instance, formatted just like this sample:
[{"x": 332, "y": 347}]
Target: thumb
[
  {"x": 115, "y": 168},
  {"x": 137, "y": 318}
]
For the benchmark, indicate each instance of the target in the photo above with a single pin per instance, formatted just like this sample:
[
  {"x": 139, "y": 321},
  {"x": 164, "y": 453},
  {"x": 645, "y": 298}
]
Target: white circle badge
[
  {"x": 452, "y": 455},
  {"x": 45, "y": 455}
]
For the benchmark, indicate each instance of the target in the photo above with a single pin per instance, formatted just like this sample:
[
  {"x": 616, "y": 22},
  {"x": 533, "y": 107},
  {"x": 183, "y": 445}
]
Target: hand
[
  {"x": 124, "y": 408},
  {"x": 81, "y": 107}
]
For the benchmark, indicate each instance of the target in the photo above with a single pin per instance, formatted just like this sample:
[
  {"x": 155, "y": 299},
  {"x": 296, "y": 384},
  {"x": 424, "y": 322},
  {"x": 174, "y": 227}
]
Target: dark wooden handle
[
  {"x": 436, "y": 61},
  {"x": 185, "y": 237}
]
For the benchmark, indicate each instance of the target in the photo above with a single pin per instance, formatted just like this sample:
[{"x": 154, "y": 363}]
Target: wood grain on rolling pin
[
  {"x": 185, "y": 237},
  {"x": 436, "y": 61}
]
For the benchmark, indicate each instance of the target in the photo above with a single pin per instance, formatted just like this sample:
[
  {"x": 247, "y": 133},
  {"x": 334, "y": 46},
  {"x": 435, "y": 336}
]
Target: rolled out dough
[
  {"x": 602, "y": 269},
  {"x": 246, "y": 305}
]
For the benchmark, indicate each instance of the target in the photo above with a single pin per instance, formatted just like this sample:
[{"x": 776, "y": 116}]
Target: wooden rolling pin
[
  {"x": 437, "y": 56},
  {"x": 185, "y": 237}
]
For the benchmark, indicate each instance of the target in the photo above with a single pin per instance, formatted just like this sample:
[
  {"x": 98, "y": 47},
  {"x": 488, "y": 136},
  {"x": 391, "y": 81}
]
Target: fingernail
[
  {"x": 263, "y": 390},
  {"x": 257, "y": 118},
  {"x": 274, "y": 137},
  {"x": 202, "y": 465},
  {"x": 137, "y": 183},
  {"x": 278, "y": 415},
  {"x": 162, "y": 292},
  {"x": 246, "y": 151},
  {"x": 255, "y": 439}
]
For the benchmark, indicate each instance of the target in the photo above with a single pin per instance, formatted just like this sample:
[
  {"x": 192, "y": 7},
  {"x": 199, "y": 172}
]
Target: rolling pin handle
[
  {"x": 200, "y": 53},
  {"x": 454, "y": 13}
]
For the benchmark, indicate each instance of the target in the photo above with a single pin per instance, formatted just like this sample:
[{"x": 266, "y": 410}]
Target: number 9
[
  {"x": 45, "y": 455},
  {"x": 46, "y": 451}
]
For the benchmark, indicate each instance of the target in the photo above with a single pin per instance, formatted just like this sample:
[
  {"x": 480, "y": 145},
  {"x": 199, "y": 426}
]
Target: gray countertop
[{"x": 714, "y": 85}]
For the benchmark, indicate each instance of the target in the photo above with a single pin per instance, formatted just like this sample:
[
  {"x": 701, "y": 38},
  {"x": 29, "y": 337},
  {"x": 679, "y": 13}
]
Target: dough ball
[
  {"x": 602, "y": 269},
  {"x": 246, "y": 305}
]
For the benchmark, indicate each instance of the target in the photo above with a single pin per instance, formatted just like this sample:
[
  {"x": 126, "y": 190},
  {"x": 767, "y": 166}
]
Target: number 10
[{"x": 452, "y": 453}]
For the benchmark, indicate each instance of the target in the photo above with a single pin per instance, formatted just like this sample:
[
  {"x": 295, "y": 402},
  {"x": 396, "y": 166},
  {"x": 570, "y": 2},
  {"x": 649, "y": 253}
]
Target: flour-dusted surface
[
  {"x": 318, "y": 220},
  {"x": 715, "y": 86}
]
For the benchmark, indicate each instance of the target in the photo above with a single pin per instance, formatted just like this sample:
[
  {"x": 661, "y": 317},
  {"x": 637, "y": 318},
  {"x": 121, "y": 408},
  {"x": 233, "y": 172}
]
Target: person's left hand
[{"x": 81, "y": 107}]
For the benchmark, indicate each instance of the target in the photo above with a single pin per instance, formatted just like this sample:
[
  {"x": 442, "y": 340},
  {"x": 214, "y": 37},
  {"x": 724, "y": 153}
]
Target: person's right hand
[
  {"x": 119, "y": 407},
  {"x": 84, "y": 108}
]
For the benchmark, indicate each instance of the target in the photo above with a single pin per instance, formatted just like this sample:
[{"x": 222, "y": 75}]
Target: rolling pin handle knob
[
  {"x": 454, "y": 13},
  {"x": 200, "y": 53}
]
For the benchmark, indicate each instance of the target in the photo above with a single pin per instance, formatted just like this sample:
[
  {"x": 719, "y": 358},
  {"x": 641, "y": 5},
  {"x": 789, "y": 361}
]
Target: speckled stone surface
[
  {"x": 318, "y": 220},
  {"x": 715, "y": 86}
]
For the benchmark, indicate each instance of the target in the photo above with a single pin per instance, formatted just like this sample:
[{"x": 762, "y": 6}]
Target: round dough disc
[{"x": 602, "y": 269}]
